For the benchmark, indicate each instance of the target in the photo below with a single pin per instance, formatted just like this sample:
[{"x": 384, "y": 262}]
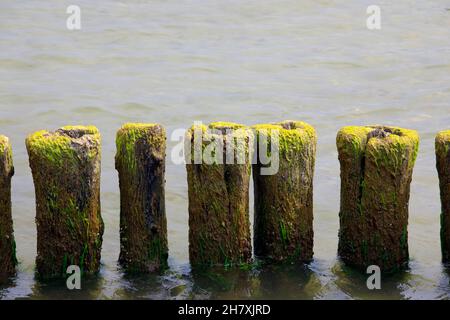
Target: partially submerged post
[
  {"x": 219, "y": 226},
  {"x": 66, "y": 172},
  {"x": 376, "y": 171},
  {"x": 283, "y": 228},
  {"x": 140, "y": 161},
  {"x": 7, "y": 244},
  {"x": 442, "y": 146}
]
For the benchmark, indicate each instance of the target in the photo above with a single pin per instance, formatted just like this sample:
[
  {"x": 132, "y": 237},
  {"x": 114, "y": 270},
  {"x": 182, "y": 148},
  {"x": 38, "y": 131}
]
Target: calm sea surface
[{"x": 175, "y": 62}]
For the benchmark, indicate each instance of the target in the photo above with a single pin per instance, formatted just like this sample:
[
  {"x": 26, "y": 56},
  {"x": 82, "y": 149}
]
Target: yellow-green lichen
[
  {"x": 389, "y": 149},
  {"x": 225, "y": 125},
  {"x": 57, "y": 147},
  {"x": 53, "y": 147},
  {"x": 236, "y": 130},
  {"x": 292, "y": 135},
  {"x": 201, "y": 136},
  {"x": 442, "y": 143},
  {"x": 4, "y": 143},
  {"x": 130, "y": 133},
  {"x": 352, "y": 140},
  {"x": 6, "y": 150},
  {"x": 82, "y": 129}
]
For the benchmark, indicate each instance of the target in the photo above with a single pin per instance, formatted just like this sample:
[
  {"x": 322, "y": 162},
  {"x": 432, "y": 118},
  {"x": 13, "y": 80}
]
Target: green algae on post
[
  {"x": 442, "y": 146},
  {"x": 7, "y": 244},
  {"x": 140, "y": 162},
  {"x": 283, "y": 227},
  {"x": 218, "y": 190},
  {"x": 65, "y": 165},
  {"x": 376, "y": 171}
]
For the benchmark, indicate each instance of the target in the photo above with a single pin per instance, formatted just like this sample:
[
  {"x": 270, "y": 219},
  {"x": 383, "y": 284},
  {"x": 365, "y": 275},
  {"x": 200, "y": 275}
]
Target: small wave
[
  {"x": 133, "y": 107},
  {"x": 15, "y": 64},
  {"x": 89, "y": 110}
]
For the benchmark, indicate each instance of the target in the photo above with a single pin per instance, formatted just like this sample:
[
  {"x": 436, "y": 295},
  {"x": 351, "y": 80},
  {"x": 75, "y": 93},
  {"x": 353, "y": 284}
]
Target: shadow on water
[
  {"x": 141, "y": 287},
  {"x": 260, "y": 282},
  {"x": 354, "y": 283},
  {"x": 91, "y": 288},
  {"x": 444, "y": 282},
  {"x": 5, "y": 283}
]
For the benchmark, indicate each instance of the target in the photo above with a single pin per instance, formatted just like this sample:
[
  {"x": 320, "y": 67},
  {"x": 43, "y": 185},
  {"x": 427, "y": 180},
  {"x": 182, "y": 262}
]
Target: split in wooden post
[
  {"x": 442, "y": 146},
  {"x": 376, "y": 171},
  {"x": 8, "y": 260},
  {"x": 140, "y": 161},
  {"x": 283, "y": 228},
  {"x": 218, "y": 174},
  {"x": 66, "y": 172}
]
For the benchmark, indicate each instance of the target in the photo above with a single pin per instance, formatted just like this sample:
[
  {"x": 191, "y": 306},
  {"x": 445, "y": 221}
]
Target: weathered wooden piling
[
  {"x": 140, "y": 161},
  {"x": 442, "y": 146},
  {"x": 7, "y": 244},
  {"x": 283, "y": 228},
  {"x": 376, "y": 170},
  {"x": 219, "y": 226},
  {"x": 66, "y": 172}
]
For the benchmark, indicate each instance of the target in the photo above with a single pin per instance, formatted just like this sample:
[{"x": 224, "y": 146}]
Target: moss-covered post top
[
  {"x": 284, "y": 139},
  {"x": 139, "y": 127},
  {"x": 6, "y": 154},
  {"x": 219, "y": 127},
  {"x": 353, "y": 139},
  {"x": 63, "y": 143},
  {"x": 4, "y": 144},
  {"x": 130, "y": 133},
  {"x": 289, "y": 127},
  {"x": 289, "y": 131},
  {"x": 223, "y": 125},
  {"x": 218, "y": 143},
  {"x": 442, "y": 142}
]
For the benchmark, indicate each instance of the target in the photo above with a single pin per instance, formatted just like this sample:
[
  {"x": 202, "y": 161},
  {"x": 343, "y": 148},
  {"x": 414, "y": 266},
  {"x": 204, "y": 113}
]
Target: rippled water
[{"x": 174, "y": 62}]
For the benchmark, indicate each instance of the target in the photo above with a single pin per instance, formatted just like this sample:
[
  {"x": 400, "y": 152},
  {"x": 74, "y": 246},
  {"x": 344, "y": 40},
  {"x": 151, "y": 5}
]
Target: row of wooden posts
[{"x": 376, "y": 170}]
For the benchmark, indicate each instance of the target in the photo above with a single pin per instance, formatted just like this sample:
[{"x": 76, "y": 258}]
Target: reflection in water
[
  {"x": 5, "y": 284},
  {"x": 57, "y": 289},
  {"x": 288, "y": 282},
  {"x": 220, "y": 283},
  {"x": 312, "y": 281},
  {"x": 354, "y": 283},
  {"x": 260, "y": 282}
]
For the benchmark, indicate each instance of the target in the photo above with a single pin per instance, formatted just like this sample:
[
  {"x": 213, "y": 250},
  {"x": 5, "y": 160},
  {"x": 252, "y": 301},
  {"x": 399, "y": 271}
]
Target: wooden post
[
  {"x": 283, "y": 228},
  {"x": 376, "y": 170},
  {"x": 219, "y": 226},
  {"x": 442, "y": 145},
  {"x": 7, "y": 244},
  {"x": 140, "y": 161},
  {"x": 66, "y": 172}
]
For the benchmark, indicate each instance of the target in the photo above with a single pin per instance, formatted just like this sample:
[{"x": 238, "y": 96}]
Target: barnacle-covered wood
[
  {"x": 7, "y": 244},
  {"x": 283, "y": 228},
  {"x": 442, "y": 146},
  {"x": 66, "y": 172},
  {"x": 219, "y": 226},
  {"x": 376, "y": 171},
  {"x": 140, "y": 161}
]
